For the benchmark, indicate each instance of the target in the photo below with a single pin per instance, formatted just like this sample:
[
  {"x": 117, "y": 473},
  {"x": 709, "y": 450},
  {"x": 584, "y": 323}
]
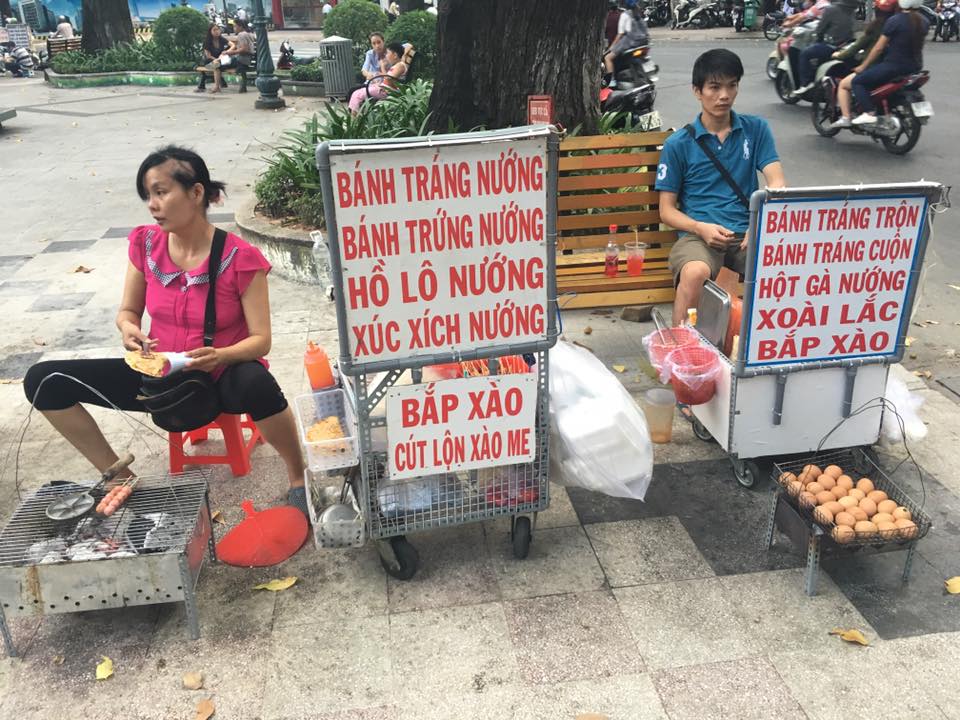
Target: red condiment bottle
[
  {"x": 317, "y": 363},
  {"x": 611, "y": 262}
]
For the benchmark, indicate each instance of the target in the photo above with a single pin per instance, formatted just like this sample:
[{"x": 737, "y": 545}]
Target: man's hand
[
  {"x": 858, "y": 69},
  {"x": 204, "y": 358},
  {"x": 716, "y": 236}
]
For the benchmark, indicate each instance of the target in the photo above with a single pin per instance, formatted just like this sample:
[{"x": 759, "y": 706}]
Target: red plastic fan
[{"x": 263, "y": 538}]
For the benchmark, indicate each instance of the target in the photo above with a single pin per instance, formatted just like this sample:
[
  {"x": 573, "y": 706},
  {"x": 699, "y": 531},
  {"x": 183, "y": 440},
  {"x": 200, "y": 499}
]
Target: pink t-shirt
[{"x": 176, "y": 299}]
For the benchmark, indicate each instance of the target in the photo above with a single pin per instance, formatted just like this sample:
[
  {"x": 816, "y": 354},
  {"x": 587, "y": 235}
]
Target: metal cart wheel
[
  {"x": 521, "y": 534},
  {"x": 403, "y": 564},
  {"x": 747, "y": 472},
  {"x": 700, "y": 431}
]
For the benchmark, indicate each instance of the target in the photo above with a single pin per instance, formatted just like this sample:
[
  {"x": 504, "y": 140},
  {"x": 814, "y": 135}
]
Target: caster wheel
[
  {"x": 747, "y": 473},
  {"x": 701, "y": 432},
  {"x": 521, "y": 537},
  {"x": 407, "y": 559}
]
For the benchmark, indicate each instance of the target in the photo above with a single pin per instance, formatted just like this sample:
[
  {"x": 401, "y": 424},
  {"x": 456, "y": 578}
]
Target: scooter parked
[{"x": 692, "y": 13}]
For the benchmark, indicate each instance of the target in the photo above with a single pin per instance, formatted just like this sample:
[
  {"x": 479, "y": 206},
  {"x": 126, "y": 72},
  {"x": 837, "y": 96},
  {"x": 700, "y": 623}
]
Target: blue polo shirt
[{"x": 702, "y": 192}]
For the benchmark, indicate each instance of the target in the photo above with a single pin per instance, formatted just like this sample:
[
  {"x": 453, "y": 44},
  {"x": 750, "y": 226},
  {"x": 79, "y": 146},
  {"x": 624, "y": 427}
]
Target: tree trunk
[
  {"x": 106, "y": 23},
  {"x": 5, "y": 10},
  {"x": 410, "y": 5},
  {"x": 493, "y": 54}
]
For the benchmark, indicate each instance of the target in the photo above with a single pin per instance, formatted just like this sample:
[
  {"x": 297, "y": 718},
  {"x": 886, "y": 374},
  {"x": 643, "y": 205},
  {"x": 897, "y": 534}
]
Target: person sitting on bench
[
  {"x": 377, "y": 87},
  {"x": 214, "y": 46}
]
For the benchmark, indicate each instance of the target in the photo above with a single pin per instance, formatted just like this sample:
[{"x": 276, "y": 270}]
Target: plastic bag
[
  {"x": 693, "y": 372},
  {"x": 598, "y": 435},
  {"x": 907, "y": 405},
  {"x": 659, "y": 344}
]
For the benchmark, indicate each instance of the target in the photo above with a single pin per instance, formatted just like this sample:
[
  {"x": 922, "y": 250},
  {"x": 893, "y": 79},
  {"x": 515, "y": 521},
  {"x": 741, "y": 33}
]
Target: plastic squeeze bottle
[
  {"x": 611, "y": 262},
  {"x": 317, "y": 363}
]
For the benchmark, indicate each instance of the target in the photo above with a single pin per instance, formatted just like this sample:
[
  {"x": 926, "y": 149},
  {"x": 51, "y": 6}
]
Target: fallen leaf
[
  {"x": 953, "y": 585},
  {"x": 10, "y": 381},
  {"x": 932, "y": 322},
  {"x": 104, "y": 668},
  {"x": 920, "y": 324},
  {"x": 39, "y": 341},
  {"x": 205, "y": 709},
  {"x": 58, "y": 659},
  {"x": 217, "y": 517},
  {"x": 850, "y": 636},
  {"x": 913, "y": 356},
  {"x": 908, "y": 342},
  {"x": 927, "y": 374},
  {"x": 587, "y": 330},
  {"x": 82, "y": 269},
  {"x": 619, "y": 368},
  {"x": 277, "y": 584},
  {"x": 192, "y": 681},
  {"x": 954, "y": 287}
]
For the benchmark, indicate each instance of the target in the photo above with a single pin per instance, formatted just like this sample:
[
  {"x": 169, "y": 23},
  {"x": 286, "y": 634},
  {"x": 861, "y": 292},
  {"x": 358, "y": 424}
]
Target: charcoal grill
[{"x": 148, "y": 552}]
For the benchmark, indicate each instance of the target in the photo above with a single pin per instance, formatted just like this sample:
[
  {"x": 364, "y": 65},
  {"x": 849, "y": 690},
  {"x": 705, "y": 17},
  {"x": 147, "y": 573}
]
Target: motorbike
[
  {"x": 771, "y": 24},
  {"x": 19, "y": 61},
  {"x": 948, "y": 22},
  {"x": 285, "y": 61},
  {"x": 657, "y": 13},
  {"x": 725, "y": 12},
  {"x": 902, "y": 110},
  {"x": 635, "y": 90},
  {"x": 787, "y": 55},
  {"x": 691, "y": 13}
]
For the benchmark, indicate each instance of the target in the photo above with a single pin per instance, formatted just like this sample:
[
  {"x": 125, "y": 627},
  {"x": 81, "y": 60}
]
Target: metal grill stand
[{"x": 149, "y": 552}]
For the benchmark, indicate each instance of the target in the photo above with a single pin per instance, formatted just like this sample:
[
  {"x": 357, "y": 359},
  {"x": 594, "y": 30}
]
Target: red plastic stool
[{"x": 238, "y": 449}]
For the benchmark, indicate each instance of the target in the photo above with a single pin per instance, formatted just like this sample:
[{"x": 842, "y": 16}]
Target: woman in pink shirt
[{"x": 167, "y": 276}]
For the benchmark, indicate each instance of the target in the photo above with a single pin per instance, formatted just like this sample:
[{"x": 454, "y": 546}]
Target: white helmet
[{"x": 910, "y": 4}]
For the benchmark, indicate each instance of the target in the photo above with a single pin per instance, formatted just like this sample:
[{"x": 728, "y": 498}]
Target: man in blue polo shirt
[{"x": 694, "y": 196}]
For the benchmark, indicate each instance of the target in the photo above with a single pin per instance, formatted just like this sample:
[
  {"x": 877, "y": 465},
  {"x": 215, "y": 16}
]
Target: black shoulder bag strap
[
  {"x": 702, "y": 142},
  {"x": 210, "y": 314}
]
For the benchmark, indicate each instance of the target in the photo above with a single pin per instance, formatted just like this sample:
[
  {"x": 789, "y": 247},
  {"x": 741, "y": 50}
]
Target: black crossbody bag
[
  {"x": 728, "y": 178},
  {"x": 189, "y": 399}
]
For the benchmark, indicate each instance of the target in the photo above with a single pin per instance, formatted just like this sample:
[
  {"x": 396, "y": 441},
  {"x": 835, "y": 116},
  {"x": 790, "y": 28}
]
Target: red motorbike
[{"x": 901, "y": 111}]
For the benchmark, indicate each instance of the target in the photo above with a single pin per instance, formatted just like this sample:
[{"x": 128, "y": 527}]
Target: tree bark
[
  {"x": 493, "y": 54},
  {"x": 106, "y": 23}
]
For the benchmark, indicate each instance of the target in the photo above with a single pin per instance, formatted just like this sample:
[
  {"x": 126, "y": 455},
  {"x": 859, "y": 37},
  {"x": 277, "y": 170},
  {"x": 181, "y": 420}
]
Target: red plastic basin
[
  {"x": 693, "y": 373},
  {"x": 658, "y": 348}
]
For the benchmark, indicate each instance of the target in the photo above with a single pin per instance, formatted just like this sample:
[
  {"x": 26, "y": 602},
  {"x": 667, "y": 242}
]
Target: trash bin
[{"x": 336, "y": 56}]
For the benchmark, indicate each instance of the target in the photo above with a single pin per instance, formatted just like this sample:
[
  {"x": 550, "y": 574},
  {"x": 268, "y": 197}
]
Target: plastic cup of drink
[
  {"x": 636, "y": 252},
  {"x": 658, "y": 405}
]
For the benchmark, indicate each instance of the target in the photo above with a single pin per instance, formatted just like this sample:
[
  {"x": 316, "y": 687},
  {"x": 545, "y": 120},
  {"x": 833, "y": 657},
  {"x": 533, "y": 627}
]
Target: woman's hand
[
  {"x": 135, "y": 339},
  {"x": 204, "y": 358}
]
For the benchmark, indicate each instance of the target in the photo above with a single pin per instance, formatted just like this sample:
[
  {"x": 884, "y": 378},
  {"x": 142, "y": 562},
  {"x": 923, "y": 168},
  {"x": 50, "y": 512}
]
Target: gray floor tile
[
  {"x": 625, "y": 697},
  {"x": 384, "y": 712},
  {"x": 221, "y": 217},
  {"x": 932, "y": 662},
  {"x": 634, "y": 552},
  {"x": 62, "y": 301},
  {"x": 747, "y": 689},
  {"x": 22, "y": 288},
  {"x": 560, "y": 561},
  {"x": 59, "y": 246},
  {"x": 451, "y": 651},
  {"x": 492, "y": 702},
  {"x": 16, "y": 365},
  {"x": 560, "y": 513},
  {"x": 117, "y": 232},
  {"x": 455, "y": 569},
  {"x": 685, "y": 623},
  {"x": 562, "y": 638}
]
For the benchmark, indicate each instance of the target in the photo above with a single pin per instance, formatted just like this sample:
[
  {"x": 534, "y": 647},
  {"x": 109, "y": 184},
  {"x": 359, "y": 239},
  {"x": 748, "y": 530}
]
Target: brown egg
[
  {"x": 902, "y": 513},
  {"x": 907, "y": 528},
  {"x": 794, "y": 488},
  {"x": 834, "y": 507},
  {"x": 786, "y": 478},
  {"x": 882, "y": 518},
  {"x": 804, "y": 478},
  {"x": 815, "y": 487},
  {"x": 823, "y": 516},
  {"x": 845, "y": 481},
  {"x": 887, "y": 530},
  {"x": 827, "y": 482},
  {"x": 833, "y": 471},
  {"x": 824, "y": 497},
  {"x": 858, "y": 494},
  {"x": 806, "y": 500},
  {"x": 878, "y": 496},
  {"x": 845, "y": 518},
  {"x": 865, "y": 529},
  {"x": 839, "y": 492},
  {"x": 868, "y": 506},
  {"x": 843, "y": 534},
  {"x": 858, "y": 513},
  {"x": 812, "y": 470},
  {"x": 865, "y": 485},
  {"x": 848, "y": 502},
  {"x": 886, "y": 506}
]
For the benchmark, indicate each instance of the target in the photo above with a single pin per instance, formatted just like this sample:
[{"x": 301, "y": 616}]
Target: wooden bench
[
  {"x": 608, "y": 180},
  {"x": 56, "y": 46}
]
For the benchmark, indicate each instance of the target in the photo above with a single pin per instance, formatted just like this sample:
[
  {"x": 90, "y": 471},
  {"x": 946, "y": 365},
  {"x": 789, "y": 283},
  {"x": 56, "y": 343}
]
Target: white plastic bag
[
  {"x": 907, "y": 405},
  {"x": 598, "y": 436}
]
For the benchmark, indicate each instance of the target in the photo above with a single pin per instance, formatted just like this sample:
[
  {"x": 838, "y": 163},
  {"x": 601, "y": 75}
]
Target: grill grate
[{"x": 159, "y": 517}]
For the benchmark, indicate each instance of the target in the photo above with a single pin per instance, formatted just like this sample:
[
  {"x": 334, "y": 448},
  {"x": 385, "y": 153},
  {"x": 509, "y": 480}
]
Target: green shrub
[
  {"x": 420, "y": 29},
  {"x": 355, "y": 19},
  {"x": 182, "y": 29},
  {"x": 312, "y": 72},
  {"x": 146, "y": 56}
]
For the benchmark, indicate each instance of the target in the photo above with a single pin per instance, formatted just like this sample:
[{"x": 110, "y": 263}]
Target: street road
[{"x": 809, "y": 159}]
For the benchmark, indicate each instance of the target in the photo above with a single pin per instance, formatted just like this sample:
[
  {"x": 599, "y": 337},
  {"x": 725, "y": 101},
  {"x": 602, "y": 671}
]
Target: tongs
[
  {"x": 662, "y": 328},
  {"x": 76, "y": 504}
]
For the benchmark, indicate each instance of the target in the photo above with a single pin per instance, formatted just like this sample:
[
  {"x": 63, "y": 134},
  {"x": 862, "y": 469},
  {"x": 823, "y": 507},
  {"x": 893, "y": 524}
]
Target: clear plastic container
[
  {"x": 335, "y": 453},
  {"x": 658, "y": 405}
]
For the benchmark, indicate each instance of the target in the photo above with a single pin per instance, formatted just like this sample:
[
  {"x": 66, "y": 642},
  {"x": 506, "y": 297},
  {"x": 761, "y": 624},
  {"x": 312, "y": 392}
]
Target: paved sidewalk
[{"x": 670, "y": 608}]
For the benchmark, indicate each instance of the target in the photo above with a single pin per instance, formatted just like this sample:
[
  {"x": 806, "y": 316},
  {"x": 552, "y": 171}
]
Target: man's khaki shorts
[{"x": 689, "y": 247}]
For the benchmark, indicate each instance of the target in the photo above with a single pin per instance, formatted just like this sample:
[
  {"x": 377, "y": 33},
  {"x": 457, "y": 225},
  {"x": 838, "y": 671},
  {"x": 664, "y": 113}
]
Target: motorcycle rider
[
  {"x": 882, "y": 9},
  {"x": 695, "y": 198},
  {"x": 631, "y": 32},
  {"x": 811, "y": 13},
  {"x": 612, "y": 23},
  {"x": 900, "y": 51},
  {"x": 834, "y": 30}
]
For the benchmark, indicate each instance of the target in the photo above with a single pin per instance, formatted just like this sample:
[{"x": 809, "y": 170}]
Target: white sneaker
[
  {"x": 843, "y": 122},
  {"x": 864, "y": 119},
  {"x": 800, "y": 91}
]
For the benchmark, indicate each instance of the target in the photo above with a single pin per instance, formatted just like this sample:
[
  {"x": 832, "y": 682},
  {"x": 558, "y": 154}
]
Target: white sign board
[
  {"x": 461, "y": 424},
  {"x": 832, "y": 278},
  {"x": 442, "y": 250}
]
